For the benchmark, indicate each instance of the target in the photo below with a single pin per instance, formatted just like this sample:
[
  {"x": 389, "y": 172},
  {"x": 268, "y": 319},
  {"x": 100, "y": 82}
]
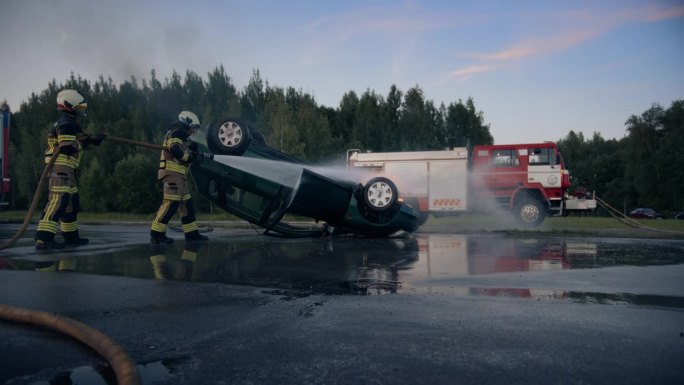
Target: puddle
[
  {"x": 150, "y": 373},
  {"x": 361, "y": 266},
  {"x": 631, "y": 299}
]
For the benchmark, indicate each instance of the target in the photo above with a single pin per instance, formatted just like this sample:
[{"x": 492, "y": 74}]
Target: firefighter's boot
[
  {"x": 45, "y": 236},
  {"x": 159, "y": 238},
  {"x": 71, "y": 238},
  {"x": 195, "y": 236},
  {"x": 48, "y": 245}
]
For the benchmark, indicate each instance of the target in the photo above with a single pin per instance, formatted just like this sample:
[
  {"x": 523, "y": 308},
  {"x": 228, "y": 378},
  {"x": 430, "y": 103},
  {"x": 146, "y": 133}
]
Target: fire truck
[
  {"x": 4, "y": 158},
  {"x": 446, "y": 256},
  {"x": 528, "y": 180}
]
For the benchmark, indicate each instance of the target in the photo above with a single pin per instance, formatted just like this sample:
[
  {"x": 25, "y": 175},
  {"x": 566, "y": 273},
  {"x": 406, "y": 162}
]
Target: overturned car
[{"x": 261, "y": 185}]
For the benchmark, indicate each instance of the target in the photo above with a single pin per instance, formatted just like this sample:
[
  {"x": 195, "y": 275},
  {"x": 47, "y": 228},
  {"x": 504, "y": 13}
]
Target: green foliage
[
  {"x": 95, "y": 186},
  {"x": 654, "y": 159},
  {"x": 645, "y": 168},
  {"x": 343, "y": 124},
  {"x": 367, "y": 121},
  {"x": 464, "y": 126},
  {"x": 414, "y": 131},
  {"x": 314, "y": 131},
  {"x": 135, "y": 182}
]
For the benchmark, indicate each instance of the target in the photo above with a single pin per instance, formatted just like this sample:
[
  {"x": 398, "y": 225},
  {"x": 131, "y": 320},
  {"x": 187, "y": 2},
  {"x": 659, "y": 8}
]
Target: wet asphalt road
[{"x": 432, "y": 308}]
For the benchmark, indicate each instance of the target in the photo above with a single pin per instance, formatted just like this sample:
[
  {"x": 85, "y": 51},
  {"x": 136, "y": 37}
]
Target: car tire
[
  {"x": 230, "y": 137},
  {"x": 380, "y": 194},
  {"x": 529, "y": 212}
]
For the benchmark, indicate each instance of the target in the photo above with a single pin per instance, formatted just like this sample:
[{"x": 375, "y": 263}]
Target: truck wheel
[
  {"x": 229, "y": 138},
  {"x": 380, "y": 194},
  {"x": 530, "y": 212}
]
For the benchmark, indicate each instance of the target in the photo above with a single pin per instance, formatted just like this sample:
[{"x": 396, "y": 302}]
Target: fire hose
[
  {"x": 43, "y": 178},
  {"x": 121, "y": 363},
  {"x": 622, "y": 218},
  {"x": 154, "y": 147},
  {"x": 34, "y": 203},
  {"x": 134, "y": 142},
  {"x": 124, "y": 368},
  {"x": 46, "y": 172}
]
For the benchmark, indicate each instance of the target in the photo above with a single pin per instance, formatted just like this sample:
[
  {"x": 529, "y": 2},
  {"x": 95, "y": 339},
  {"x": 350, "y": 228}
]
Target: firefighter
[
  {"x": 63, "y": 198},
  {"x": 164, "y": 270},
  {"x": 173, "y": 169}
]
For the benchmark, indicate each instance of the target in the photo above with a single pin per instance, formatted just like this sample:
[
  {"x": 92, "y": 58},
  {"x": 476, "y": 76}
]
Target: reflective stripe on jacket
[
  {"x": 175, "y": 157},
  {"x": 66, "y": 132}
]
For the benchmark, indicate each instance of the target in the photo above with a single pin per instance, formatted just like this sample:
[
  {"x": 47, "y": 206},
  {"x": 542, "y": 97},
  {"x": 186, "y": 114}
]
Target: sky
[{"x": 535, "y": 69}]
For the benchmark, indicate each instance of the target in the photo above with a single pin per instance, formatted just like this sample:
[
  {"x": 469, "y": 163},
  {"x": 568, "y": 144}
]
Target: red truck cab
[{"x": 529, "y": 179}]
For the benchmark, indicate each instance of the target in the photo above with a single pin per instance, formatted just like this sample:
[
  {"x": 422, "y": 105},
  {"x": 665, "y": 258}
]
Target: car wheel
[
  {"x": 530, "y": 212},
  {"x": 229, "y": 138},
  {"x": 380, "y": 194}
]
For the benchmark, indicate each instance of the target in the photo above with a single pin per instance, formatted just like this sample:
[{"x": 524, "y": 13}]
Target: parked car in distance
[
  {"x": 680, "y": 215},
  {"x": 645, "y": 213}
]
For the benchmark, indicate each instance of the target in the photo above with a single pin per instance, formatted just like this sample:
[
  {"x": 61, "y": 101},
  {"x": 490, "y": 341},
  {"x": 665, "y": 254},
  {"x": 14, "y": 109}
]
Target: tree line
[
  {"x": 643, "y": 169},
  {"x": 120, "y": 178}
]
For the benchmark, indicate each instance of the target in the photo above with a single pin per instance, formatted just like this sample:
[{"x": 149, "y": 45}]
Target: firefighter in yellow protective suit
[
  {"x": 173, "y": 171},
  {"x": 165, "y": 267},
  {"x": 63, "y": 198}
]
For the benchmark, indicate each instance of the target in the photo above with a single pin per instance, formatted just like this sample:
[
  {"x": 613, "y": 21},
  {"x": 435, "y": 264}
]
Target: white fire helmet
[
  {"x": 189, "y": 119},
  {"x": 71, "y": 101}
]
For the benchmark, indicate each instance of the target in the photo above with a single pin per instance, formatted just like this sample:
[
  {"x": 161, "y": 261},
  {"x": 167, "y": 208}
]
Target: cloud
[
  {"x": 537, "y": 47},
  {"x": 584, "y": 27},
  {"x": 393, "y": 27},
  {"x": 370, "y": 21},
  {"x": 653, "y": 13},
  {"x": 471, "y": 70}
]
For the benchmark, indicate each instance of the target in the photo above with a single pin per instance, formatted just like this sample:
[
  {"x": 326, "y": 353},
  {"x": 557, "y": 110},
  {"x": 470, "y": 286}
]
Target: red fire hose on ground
[
  {"x": 121, "y": 363},
  {"x": 124, "y": 368},
  {"x": 34, "y": 203}
]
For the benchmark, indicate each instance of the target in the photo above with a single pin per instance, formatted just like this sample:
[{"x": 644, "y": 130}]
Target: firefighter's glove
[
  {"x": 96, "y": 138},
  {"x": 198, "y": 156}
]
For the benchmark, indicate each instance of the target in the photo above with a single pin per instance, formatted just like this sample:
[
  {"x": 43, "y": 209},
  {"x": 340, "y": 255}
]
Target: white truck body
[
  {"x": 530, "y": 180},
  {"x": 441, "y": 176}
]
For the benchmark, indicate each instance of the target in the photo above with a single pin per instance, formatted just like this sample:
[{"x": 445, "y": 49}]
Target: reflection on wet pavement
[
  {"x": 362, "y": 266},
  {"x": 150, "y": 373}
]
